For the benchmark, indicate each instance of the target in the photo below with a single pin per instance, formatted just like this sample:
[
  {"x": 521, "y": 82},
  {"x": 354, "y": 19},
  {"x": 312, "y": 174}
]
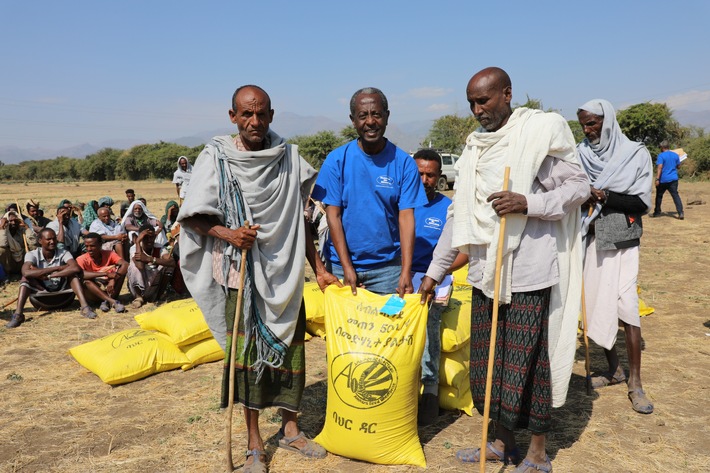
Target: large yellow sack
[
  {"x": 181, "y": 320},
  {"x": 129, "y": 355},
  {"x": 314, "y": 299},
  {"x": 315, "y": 328},
  {"x": 453, "y": 367},
  {"x": 456, "y": 320},
  {"x": 644, "y": 310},
  {"x": 456, "y": 398},
  {"x": 204, "y": 351},
  {"x": 373, "y": 378},
  {"x": 460, "y": 276}
]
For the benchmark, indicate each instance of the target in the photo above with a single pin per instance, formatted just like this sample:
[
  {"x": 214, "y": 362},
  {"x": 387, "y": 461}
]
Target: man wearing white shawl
[
  {"x": 541, "y": 267},
  {"x": 621, "y": 173},
  {"x": 182, "y": 176},
  {"x": 256, "y": 177}
]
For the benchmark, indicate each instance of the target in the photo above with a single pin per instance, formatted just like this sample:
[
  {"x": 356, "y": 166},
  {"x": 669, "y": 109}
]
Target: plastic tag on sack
[{"x": 393, "y": 306}]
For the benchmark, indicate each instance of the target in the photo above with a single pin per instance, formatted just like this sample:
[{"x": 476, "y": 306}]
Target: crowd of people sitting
[{"x": 88, "y": 252}]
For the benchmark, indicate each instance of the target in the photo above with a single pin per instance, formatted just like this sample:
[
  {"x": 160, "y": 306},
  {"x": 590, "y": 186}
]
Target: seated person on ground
[
  {"x": 67, "y": 229},
  {"x": 151, "y": 268},
  {"x": 33, "y": 219},
  {"x": 104, "y": 273},
  {"x": 131, "y": 197},
  {"x": 90, "y": 214},
  {"x": 136, "y": 216},
  {"x": 49, "y": 269},
  {"x": 112, "y": 234},
  {"x": 14, "y": 234}
]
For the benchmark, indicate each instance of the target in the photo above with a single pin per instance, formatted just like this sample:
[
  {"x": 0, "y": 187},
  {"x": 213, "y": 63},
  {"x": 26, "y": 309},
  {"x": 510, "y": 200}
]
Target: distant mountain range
[{"x": 407, "y": 136}]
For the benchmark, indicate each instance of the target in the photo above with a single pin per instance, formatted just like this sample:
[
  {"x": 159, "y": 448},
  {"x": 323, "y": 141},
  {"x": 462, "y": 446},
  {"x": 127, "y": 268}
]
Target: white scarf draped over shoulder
[
  {"x": 274, "y": 184},
  {"x": 523, "y": 143},
  {"x": 615, "y": 163}
]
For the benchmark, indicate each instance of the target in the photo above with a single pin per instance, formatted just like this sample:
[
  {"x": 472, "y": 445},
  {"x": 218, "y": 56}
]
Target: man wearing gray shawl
[
  {"x": 257, "y": 177},
  {"x": 620, "y": 172}
]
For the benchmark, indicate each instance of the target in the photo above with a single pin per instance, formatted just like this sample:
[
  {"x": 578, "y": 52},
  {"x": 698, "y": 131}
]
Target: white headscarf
[{"x": 615, "y": 163}]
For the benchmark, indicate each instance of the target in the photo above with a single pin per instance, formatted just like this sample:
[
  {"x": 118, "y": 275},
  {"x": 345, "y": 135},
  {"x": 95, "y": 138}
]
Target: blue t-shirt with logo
[
  {"x": 670, "y": 162},
  {"x": 370, "y": 190},
  {"x": 429, "y": 223}
]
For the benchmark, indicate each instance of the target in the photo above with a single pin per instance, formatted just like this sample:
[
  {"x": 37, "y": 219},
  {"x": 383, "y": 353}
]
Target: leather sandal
[
  {"x": 88, "y": 312},
  {"x": 310, "y": 450},
  {"x": 257, "y": 466},
  {"x": 608, "y": 379},
  {"x": 639, "y": 401},
  {"x": 527, "y": 464},
  {"x": 473, "y": 455}
]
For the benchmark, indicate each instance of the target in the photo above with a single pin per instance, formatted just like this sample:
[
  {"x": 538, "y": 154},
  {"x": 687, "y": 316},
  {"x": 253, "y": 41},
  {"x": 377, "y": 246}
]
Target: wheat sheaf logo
[{"x": 363, "y": 380}]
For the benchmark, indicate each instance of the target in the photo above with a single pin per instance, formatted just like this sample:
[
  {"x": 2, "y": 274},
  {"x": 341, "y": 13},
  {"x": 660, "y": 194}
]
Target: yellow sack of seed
[
  {"x": 315, "y": 328},
  {"x": 373, "y": 378},
  {"x": 129, "y": 355},
  {"x": 314, "y": 299},
  {"x": 460, "y": 276},
  {"x": 453, "y": 367},
  {"x": 456, "y": 320},
  {"x": 181, "y": 320},
  {"x": 456, "y": 398},
  {"x": 204, "y": 351}
]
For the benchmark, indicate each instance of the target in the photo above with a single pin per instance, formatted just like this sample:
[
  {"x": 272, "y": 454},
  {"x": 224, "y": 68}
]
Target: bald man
[{"x": 541, "y": 266}]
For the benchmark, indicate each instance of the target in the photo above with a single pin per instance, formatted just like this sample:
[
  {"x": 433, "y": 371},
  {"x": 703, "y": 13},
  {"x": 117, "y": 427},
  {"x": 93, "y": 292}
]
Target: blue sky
[{"x": 88, "y": 71}]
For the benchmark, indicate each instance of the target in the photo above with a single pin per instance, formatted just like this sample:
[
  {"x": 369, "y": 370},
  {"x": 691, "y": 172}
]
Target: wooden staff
[
  {"x": 587, "y": 363},
  {"x": 8, "y": 303},
  {"x": 24, "y": 235},
  {"x": 232, "y": 355},
  {"x": 494, "y": 329}
]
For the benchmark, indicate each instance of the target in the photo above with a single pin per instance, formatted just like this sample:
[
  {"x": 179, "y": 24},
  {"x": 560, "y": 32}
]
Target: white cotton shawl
[
  {"x": 272, "y": 182},
  {"x": 523, "y": 143},
  {"x": 616, "y": 163}
]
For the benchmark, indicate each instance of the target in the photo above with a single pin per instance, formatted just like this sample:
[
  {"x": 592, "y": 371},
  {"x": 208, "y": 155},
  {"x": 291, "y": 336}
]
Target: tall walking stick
[
  {"x": 494, "y": 329},
  {"x": 24, "y": 235},
  {"x": 232, "y": 354},
  {"x": 587, "y": 363}
]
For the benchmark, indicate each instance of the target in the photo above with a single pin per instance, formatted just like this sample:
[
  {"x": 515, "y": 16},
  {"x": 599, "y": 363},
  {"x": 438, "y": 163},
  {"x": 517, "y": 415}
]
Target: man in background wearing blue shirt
[
  {"x": 371, "y": 188},
  {"x": 667, "y": 179}
]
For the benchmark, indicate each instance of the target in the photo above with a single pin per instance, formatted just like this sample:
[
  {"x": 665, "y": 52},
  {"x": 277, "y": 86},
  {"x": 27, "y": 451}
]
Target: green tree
[
  {"x": 698, "y": 161},
  {"x": 349, "y": 133},
  {"x": 576, "y": 130},
  {"x": 314, "y": 148},
  {"x": 650, "y": 123},
  {"x": 448, "y": 133}
]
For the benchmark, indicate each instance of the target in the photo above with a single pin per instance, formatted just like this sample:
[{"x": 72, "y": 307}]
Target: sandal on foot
[
  {"x": 257, "y": 466},
  {"x": 137, "y": 302},
  {"x": 640, "y": 402},
  {"x": 104, "y": 307},
  {"x": 527, "y": 464},
  {"x": 473, "y": 455},
  {"x": 608, "y": 379},
  {"x": 118, "y": 307},
  {"x": 87, "y": 312},
  {"x": 310, "y": 450}
]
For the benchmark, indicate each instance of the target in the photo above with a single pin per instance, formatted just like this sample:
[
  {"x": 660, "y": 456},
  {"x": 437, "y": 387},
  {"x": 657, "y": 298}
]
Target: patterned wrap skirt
[
  {"x": 279, "y": 387},
  {"x": 521, "y": 394}
]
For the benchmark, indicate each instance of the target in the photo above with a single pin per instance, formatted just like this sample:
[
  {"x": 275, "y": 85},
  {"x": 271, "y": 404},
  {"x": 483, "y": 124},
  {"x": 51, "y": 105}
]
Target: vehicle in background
[{"x": 448, "y": 173}]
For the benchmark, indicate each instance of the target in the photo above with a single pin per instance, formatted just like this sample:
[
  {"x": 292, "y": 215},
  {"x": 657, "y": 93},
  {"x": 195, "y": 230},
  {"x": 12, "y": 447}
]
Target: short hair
[
  {"x": 249, "y": 86},
  {"x": 664, "y": 144},
  {"x": 368, "y": 91},
  {"x": 29, "y": 206},
  {"x": 93, "y": 236},
  {"x": 144, "y": 227},
  {"x": 428, "y": 155},
  {"x": 46, "y": 230},
  {"x": 131, "y": 191}
]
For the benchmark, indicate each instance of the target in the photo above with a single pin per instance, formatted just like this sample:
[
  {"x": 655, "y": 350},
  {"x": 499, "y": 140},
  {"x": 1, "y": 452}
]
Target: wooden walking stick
[
  {"x": 494, "y": 329},
  {"x": 232, "y": 355},
  {"x": 24, "y": 235},
  {"x": 587, "y": 363}
]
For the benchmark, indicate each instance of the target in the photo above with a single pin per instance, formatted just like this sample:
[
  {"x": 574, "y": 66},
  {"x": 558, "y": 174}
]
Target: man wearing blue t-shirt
[
  {"x": 429, "y": 223},
  {"x": 371, "y": 188},
  {"x": 667, "y": 179}
]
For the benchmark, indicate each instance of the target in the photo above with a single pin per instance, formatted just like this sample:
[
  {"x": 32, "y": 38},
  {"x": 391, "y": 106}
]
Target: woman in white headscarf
[{"x": 181, "y": 177}]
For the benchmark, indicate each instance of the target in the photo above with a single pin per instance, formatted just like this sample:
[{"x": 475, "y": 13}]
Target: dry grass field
[{"x": 55, "y": 416}]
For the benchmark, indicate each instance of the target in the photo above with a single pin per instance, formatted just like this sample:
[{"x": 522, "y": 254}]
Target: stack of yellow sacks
[
  {"x": 454, "y": 384},
  {"x": 172, "y": 336}
]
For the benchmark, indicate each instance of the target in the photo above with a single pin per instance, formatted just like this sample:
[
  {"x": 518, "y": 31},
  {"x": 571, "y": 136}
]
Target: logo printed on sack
[
  {"x": 384, "y": 181},
  {"x": 363, "y": 380},
  {"x": 129, "y": 337}
]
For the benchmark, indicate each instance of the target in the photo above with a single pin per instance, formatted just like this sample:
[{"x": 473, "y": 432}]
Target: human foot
[
  {"x": 301, "y": 444},
  {"x": 639, "y": 402},
  {"x": 473, "y": 455},
  {"x": 608, "y": 379}
]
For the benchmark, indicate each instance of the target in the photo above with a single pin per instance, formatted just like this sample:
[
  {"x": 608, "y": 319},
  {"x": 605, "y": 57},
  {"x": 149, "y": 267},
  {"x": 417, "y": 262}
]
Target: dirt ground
[{"x": 55, "y": 416}]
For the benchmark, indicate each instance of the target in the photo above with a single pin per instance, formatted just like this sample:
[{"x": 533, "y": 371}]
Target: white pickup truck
[{"x": 448, "y": 173}]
